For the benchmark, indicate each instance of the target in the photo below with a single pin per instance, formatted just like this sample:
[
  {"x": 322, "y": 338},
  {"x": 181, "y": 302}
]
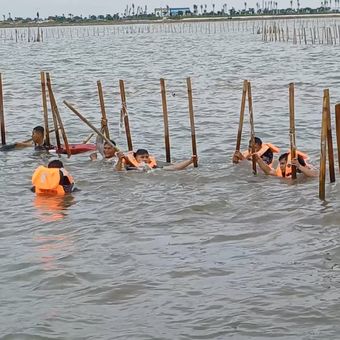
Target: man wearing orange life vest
[
  {"x": 264, "y": 150},
  {"x": 141, "y": 160},
  {"x": 284, "y": 168},
  {"x": 53, "y": 179}
]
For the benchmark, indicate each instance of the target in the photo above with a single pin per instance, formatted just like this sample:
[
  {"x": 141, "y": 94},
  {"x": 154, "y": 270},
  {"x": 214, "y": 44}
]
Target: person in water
[
  {"x": 284, "y": 168},
  {"x": 264, "y": 150},
  {"x": 38, "y": 140},
  {"x": 109, "y": 152},
  {"x": 141, "y": 160},
  {"x": 53, "y": 179}
]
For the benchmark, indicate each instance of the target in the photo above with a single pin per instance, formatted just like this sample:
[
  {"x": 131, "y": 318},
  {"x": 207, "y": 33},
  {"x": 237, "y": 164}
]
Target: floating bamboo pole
[
  {"x": 125, "y": 115},
  {"x": 44, "y": 102},
  {"x": 102, "y": 108},
  {"x": 2, "y": 114},
  {"x": 166, "y": 122},
  {"x": 292, "y": 127},
  {"x": 192, "y": 122}
]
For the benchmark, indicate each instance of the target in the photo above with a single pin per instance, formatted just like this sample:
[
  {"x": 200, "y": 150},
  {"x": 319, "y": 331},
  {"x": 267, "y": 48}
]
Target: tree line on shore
[{"x": 141, "y": 13}]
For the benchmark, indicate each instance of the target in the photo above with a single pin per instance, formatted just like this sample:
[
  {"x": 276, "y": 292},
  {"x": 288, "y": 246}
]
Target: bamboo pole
[
  {"x": 337, "y": 127},
  {"x": 292, "y": 127},
  {"x": 89, "y": 124},
  {"x": 166, "y": 122},
  {"x": 125, "y": 114},
  {"x": 44, "y": 102},
  {"x": 192, "y": 122},
  {"x": 55, "y": 123},
  {"x": 243, "y": 106},
  {"x": 87, "y": 139},
  {"x": 2, "y": 114},
  {"x": 55, "y": 111},
  {"x": 252, "y": 130},
  {"x": 329, "y": 139},
  {"x": 322, "y": 173},
  {"x": 102, "y": 108}
]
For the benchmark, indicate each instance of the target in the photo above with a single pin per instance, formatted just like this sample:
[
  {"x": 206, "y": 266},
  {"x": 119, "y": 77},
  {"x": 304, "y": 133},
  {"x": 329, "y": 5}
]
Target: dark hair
[
  {"x": 141, "y": 152},
  {"x": 284, "y": 156},
  {"x": 301, "y": 160},
  {"x": 112, "y": 141},
  {"x": 55, "y": 164},
  {"x": 39, "y": 129},
  {"x": 257, "y": 140}
]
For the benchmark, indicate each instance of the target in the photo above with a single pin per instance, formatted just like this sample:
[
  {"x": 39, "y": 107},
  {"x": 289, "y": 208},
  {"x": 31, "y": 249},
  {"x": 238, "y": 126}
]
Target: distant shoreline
[{"x": 167, "y": 21}]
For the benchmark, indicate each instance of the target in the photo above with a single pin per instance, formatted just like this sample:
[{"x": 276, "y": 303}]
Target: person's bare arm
[
  {"x": 120, "y": 165},
  {"x": 24, "y": 144},
  {"x": 305, "y": 170},
  {"x": 180, "y": 165},
  {"x": 237, "y": 157},
  {"x": 264, "y": 166}
]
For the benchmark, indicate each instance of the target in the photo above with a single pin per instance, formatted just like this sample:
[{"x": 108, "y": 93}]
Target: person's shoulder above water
[
  {"x": 264, "y": 150},
  {"x": 109, "y": 152},
  {"x": 53, "y": 179},
  {"x": 141, "y": 160}
]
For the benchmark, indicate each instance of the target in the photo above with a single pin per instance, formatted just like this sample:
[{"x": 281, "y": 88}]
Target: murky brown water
[{"x": 208, "y": 253}]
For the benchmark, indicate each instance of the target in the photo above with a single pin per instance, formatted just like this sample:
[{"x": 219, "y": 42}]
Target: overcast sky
[{"x": 29, "y": 8}]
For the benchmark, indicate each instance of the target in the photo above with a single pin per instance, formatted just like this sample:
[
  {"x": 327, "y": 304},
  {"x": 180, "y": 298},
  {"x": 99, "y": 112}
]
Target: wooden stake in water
[
  {"x": 252, "y": 130},
  {"x": 55, "y": 122},
  {"x": 2, "y": 114},
  {"x": 89, "y": 124},
  {"x": 192, "y": 122},
  {"x": 103, "y": 111},
  {"x": 329, "y": 139},
  {"x": 323, "y": 146},
  {"x": 292, "y": 127},
  {"x": 337, "y": 126},
  {"x": 243, "y": 106},
  {"x": 125, "y": 115},
  {"x": 44, "y": 102},
  {"x": 166, "y": 121},
  {"x": 55, "y": 112}
]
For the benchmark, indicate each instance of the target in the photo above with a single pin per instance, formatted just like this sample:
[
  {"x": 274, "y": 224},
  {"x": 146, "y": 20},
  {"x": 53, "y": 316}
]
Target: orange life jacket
[
  {"x": 288, "y": 170},
  {"x": 264, "y": 148},
  {"x": 47, "y": 180},
  {"x": 133, "y": 161}
]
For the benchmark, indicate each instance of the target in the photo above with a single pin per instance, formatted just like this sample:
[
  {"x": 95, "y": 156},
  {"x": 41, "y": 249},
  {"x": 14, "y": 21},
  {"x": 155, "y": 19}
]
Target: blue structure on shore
[{"x": 180, "y": 11}]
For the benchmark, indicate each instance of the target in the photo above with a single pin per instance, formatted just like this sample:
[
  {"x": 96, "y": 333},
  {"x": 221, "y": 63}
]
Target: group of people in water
[
  {"x": 264, "y": 156},
  {"x": 54, "y": 179}
]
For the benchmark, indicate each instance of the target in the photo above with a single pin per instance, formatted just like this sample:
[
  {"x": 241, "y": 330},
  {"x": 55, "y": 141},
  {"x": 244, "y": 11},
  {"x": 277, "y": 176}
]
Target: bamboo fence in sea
[
  {"x": 307, "y": 32},
  {"x": 40, "y": 34}
]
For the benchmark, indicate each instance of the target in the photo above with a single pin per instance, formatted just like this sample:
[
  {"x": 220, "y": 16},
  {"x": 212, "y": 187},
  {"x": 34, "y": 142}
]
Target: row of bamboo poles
[
  {"x": 296, "y": 30},
  {"x": 326, "y": 134},
  {"x": 40, "y": 34},
  {"x": 324, "y": 35},
  {"x": 58, "y": 126}
]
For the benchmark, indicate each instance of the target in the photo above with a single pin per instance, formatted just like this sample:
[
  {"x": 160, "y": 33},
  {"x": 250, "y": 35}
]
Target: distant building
[
  {"x": 180, "y": 11},
  {"x": 162, "y": 12},
  {"x": 168, "y": 12}
]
